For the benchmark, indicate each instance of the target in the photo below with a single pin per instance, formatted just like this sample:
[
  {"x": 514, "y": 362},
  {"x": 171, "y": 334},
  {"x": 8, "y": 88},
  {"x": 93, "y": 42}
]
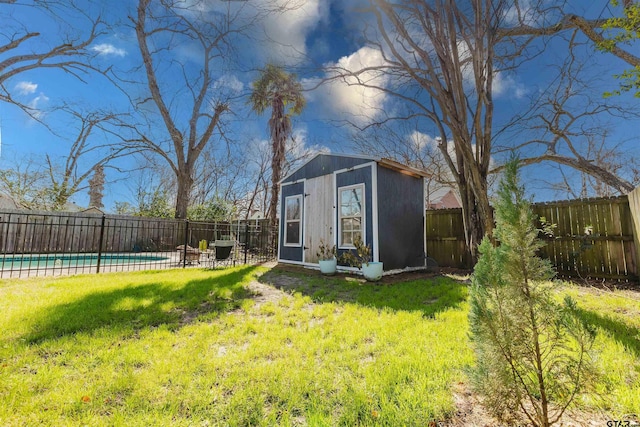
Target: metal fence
[
  {"x": 42, "y": 243},
  {"x": 593, "y": 238}
]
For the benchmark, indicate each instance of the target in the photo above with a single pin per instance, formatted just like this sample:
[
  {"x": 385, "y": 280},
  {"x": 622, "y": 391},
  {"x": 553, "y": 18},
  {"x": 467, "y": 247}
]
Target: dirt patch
[
  {"x": 471, "y": 413},
  {"x": 469, "y": 410},
  {"x": 387, "y": 279},
  {"x": 606, "y": 285},
  {"x": 263, "y": 293}
]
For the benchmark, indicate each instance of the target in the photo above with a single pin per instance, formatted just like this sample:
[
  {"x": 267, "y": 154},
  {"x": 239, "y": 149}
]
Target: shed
[{"x": 337, "y": 198}]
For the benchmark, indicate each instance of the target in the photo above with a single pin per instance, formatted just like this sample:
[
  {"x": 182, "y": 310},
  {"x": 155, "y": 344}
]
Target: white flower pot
[
  {"x": 372, "y": 271},
  {"x": 328, "y": 266}
]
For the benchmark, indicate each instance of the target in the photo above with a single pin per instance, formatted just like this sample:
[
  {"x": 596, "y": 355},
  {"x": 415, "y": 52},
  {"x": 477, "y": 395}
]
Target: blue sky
[{"x": 312, "y": 34}]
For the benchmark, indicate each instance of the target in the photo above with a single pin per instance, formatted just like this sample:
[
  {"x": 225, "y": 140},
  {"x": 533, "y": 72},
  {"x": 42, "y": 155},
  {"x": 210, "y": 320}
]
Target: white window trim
[
  {"x": 299, "y": 244},
  {"x": 364, "y": 214}
]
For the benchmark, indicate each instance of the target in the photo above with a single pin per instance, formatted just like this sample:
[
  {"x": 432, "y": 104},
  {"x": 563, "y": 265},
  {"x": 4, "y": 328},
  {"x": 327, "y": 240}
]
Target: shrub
[
  {"x": 326, "y": 251},
  {"x": 532, "y": 352},
  {"x": 361, "y": 256}
]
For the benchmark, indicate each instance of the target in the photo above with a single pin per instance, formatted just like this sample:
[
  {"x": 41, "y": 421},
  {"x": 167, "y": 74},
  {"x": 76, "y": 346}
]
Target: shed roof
[
  {"x": 384, "y": 162},
  {"x": 402, "y": 168}
]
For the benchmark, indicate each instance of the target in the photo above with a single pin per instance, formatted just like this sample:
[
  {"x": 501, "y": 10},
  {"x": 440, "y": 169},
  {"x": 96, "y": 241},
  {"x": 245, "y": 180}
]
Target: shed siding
[
  {"x": 358, "y": 176},
  {"x": 324, "y": 164},
  {"x": 400, "y": 219},
  {"x": 288, "y": 252}
]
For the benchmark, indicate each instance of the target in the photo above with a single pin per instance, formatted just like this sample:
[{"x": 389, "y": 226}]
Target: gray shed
[{"x": 337, "y": 197}]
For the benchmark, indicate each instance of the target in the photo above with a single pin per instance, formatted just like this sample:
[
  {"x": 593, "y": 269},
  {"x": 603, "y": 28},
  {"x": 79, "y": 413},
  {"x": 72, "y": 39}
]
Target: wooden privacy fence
[
  {"x": 445, "y": 238},
  {"x": 29, "y": 232},
  {"x": 593, "y": 238}
]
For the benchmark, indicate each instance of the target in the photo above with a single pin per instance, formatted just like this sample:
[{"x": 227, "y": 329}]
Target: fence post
[
  {"x": 100, "y": 240},
  {"x": 246, "y": 241},
  {"x": 634, "y": 206},
  {"x": 274, "y": 236},
  {"x": 186, "y": 243}
]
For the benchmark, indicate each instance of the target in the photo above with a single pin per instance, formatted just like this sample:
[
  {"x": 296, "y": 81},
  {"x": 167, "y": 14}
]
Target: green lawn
[
  {"x": 193, "y": 347},
  {"x": 616, "y": 316}
]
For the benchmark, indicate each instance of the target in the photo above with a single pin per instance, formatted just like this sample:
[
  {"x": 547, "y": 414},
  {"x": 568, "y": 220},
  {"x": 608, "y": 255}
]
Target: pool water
[{"x": 15, "y": 262}]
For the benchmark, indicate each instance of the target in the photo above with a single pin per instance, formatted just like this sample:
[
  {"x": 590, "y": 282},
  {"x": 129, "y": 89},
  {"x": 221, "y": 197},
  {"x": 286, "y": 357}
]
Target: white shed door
[{"x": 318, "y": 215}]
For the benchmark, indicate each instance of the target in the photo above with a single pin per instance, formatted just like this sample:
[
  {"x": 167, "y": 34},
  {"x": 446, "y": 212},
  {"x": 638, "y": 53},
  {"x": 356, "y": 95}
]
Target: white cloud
[
  {"x": 504, "y": 85},
  {"x": 296, "y": 146},
  {"x": 108, "y": 49},
  {"x": 37, "y": 104},
  {"x": 229, "y": 81},
  {"x": 420, "y": 140},
  {"x": 26, "y": 88},
  {"x": 282, "y": 25},
  {"x": 347, "y": 95},
  {"x": 288, "y": 26}
]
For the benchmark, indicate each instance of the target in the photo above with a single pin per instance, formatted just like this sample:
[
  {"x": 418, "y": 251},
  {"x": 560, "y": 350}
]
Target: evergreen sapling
[{"x": 532, "y": 351}]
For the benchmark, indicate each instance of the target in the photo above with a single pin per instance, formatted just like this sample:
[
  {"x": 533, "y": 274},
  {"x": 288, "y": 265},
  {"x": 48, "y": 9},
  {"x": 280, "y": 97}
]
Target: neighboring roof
[
  {"x": 384, "y": 162},
  {"x": 7, "y": 202},
  {"x": 92, "y": 210},
  {"x": 443, "y": 198}
]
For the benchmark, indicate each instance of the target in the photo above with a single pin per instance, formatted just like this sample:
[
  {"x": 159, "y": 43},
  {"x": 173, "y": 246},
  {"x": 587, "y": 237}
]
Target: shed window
[
  {"x": 293, "y": 221},
  {"x": 351, "y": 214}
]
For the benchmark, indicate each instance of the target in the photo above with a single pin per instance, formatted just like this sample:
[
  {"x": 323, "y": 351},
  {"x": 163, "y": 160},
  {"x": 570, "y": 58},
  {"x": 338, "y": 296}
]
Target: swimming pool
[{"x": 37, "y": 261}]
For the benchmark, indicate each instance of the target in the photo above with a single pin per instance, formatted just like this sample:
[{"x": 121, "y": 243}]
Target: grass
[
  {"x": 193, "y": 347},
  {"x": 616, "y": 316}
]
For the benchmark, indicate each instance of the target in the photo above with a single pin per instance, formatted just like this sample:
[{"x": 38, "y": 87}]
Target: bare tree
[
  {"x": 151, "y": 188},
  {"x": 615, "y": 34},
  {"x": 598, "y": 150},
  {"x": 558, "y": 21},
  {"x": 406, "y": 144},
  {"x": 439, "y": 56},
  {"x": 568, "y": 124},
  {"x": 24, "y": 48},
  {"x": 68, "y": 177},
  {"x": 260, "y": 162},
  {"x": 626, "y": 32},
  {"x": 258, "y": 165},
  {"x": 183, "y": 91},
  {"x": 26, "y": 183},
  {"x": 49, "y": 183}
]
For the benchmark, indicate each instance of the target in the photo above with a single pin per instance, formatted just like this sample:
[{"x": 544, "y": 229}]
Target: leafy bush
[
  {"x": 215, "y": 209},
  {"x": 361, "y": 256},
  {"x": 326, "y": 251}
]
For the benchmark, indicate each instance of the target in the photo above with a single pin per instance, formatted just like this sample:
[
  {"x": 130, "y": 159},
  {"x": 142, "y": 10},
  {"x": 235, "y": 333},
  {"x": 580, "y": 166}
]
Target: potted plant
[
  {"x": 327, "y": 258},
  {"x": 224, "y": 247},
  {"x": 371, "y": 270}
]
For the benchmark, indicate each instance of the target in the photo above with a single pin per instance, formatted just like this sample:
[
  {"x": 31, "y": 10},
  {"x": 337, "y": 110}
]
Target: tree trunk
[
  {"x": 475, "y": 224},
  {"x": 470, "y": 173},
  {"x": 185, "y": 182},
  {"x": 276, "y": 167}
]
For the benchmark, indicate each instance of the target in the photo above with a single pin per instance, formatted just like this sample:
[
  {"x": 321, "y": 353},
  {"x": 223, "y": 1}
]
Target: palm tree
[{"x": 282, "y": 92}]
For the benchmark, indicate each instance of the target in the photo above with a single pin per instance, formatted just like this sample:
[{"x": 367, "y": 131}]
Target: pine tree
[{"x": 532, "y": 352}]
